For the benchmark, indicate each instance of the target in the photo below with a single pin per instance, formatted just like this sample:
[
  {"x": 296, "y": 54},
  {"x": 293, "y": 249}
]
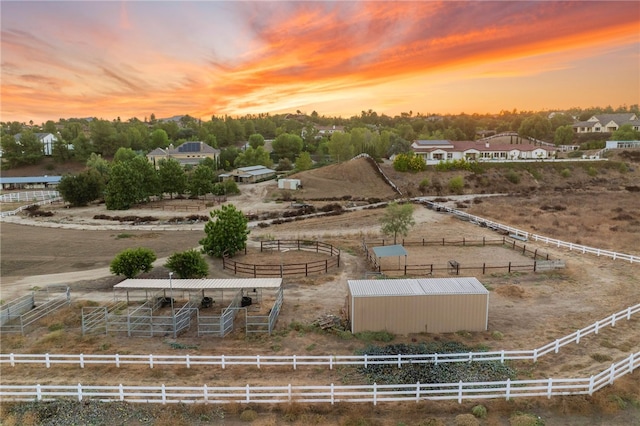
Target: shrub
[
  {"x": 480, "y": 411},
  {"x": 131, "y": 262},
  {"x": 466, "y": 420},
  {"x": 248, "y": 415},
  {"x": 592, "y": 171},
  {"x": 565, "y": 173},
  {"x": 423, "y": 185},
  {"x": 513, "y": 177},
  {"x": 456, "y": 185}
]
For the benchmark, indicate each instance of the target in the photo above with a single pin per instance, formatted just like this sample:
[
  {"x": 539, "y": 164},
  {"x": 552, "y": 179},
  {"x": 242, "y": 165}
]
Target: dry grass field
[{"x": 527, "y": 310}]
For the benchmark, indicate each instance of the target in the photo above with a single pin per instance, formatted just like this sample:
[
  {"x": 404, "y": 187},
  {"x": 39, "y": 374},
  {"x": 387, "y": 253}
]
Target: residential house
[
  {"x": 324, "y": 131},
  {"x": 607, "y": 123},
  {"x": 249, "y": 174},
  {"x": 189, "y": 153},
  {"x": 47, "y": 140},
  {"x": 435, "y": 151}
]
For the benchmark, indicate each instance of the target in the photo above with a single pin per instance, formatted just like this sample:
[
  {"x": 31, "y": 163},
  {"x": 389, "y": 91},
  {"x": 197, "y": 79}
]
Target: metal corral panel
[
  {"x": 433, "y": 305},
  {"x": 199, "y": 284}
]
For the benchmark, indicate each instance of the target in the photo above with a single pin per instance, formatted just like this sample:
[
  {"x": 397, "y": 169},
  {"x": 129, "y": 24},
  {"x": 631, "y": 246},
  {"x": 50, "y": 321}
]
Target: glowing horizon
[{"x": 132, "y": 59}]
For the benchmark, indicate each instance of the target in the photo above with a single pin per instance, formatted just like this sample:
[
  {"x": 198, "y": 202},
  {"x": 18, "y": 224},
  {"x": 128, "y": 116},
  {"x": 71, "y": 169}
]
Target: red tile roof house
[{"x": 436, "y": 151}]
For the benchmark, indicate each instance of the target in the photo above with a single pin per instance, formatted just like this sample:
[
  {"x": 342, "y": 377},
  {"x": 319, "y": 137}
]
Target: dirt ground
[{"x": 526, "y": 310}]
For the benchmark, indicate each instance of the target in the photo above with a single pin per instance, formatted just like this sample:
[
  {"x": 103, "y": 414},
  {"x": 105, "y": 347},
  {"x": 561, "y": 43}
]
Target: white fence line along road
[
  {"x": 21, "y": 208},
  {"x": 518, "y": 232},
  {"x": 375, "y": 393},
  {"x": 315, "y": 360}
]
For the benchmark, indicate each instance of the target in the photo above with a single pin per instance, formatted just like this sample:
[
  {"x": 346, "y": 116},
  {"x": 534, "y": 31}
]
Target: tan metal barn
[{"x": 431, "y": 305}]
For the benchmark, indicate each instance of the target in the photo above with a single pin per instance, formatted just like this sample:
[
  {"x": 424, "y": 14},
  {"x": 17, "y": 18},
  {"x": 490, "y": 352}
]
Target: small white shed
[{"x": 289, "y": 184}]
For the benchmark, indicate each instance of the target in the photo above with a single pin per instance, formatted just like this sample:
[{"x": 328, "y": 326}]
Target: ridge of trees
[{"x": 376, "y": 134}]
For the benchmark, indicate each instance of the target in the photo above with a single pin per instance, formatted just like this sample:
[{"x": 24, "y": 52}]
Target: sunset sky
[{"x": 133, "y": 58}]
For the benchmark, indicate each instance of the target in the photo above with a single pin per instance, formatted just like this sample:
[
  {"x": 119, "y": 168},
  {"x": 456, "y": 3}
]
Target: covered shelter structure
[
  {"x": 151, "y": 307},
  {"x": 389, "y": 251},
  {"x": 425, "y": 305}
]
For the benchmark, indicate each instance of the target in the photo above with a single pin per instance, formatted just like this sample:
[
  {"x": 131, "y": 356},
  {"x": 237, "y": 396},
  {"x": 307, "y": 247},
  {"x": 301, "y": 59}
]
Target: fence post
[
  {"x": 38, "y": 392},
  {"x": 164, "y": 395},
  {"x": 81, "y": 360},
  {"x": 187, "y": 361},
  {"x": 121, "y": 392},
  {"x": 557, "y": 346},
  {"x": 118, "y": 360},
  {"x": 332, "y": 395},
  {"x": 79, "y": 392},
  {"x": 295, "y": 364},
  {"x": 577, "y": 336},
  {"x": 289, "y": 389},
  {"x": 612, "y": 373},
  {"x": 47, "y": 362},
  {"x": 484, "y": 265},
  {"x": 12, "y": 359},
  {"x": 375, "y": 393},
  {"x": 591, "y": 385},
  {"x": 326, "y": 266},
  {"x": 222, "y": 362},
  {"x": 535, "y": 355},
  {"x": 509, "y": 267},
  {"x": 258, "y": 361},
  {"x": 205, "y": 393},
  {"x": 460, "y": 392},
  {"x": 508, "y": 389},
  {"x": 365, "y": 361},
  {"x": 248, "y": 394},
  {"x": 330, "y": 362},
  {"x": 631, "y": 357},
  {"x": 549, "y": 388},
  {"x": 150, "y": 360}
]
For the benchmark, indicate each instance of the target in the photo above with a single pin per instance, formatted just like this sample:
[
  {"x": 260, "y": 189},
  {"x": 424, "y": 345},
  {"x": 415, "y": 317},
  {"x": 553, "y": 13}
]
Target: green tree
[
  {"x": 397, "y": 220},
  {"x": 104, "y": 137},
  {"x": 536, "y": 127},
  {"x": 124, "y": 188},
  {"x": 456, "y": 185},
  {"x": 228, "y": 157},
  {"x": 22, "y": 149},
  {"x": 340, "y": 148},
  {"x": 188, "y": 264},
  {"x": 287, "y": 145},
  {"x": 256, "y": 140},
  {"x": 172, "y": 177},
  {"x": 82, "y": 188},
  {"x": 253, "y": 157},
  {"x": 158, "y": 139},
  {"x": 200, "y": 181},
  {"x": 124, "y": 154},
  {"x": 625, "y": 133},
  {"x": 130, "y": 262},
  {"x": 304, "y": 162},
  {"x": 50, "y": 127},
  {"x": 563, "y": 135},
  {"x": 99, "y": 164},
  {"x": 227, "y": 233}
]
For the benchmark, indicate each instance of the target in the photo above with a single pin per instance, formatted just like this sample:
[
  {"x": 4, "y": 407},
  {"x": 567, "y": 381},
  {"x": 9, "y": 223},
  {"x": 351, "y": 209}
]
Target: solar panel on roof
[{"x": 189, "y": 147}]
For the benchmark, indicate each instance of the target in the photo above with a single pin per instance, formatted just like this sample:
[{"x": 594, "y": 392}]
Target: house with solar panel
[{"x": 189, "y": 153}]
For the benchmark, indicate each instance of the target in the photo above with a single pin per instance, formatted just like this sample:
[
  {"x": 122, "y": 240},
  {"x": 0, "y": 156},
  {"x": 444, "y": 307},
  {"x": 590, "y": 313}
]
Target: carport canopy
[
  {"x": 390, "y": 251},
  {"x": 198, "y": 284}
]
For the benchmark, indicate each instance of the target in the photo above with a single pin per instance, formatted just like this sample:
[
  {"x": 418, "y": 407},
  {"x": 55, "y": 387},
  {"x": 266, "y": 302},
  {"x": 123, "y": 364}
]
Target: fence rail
[
  {"x": 518, "y": 232},
  {"x": 295, "y": 361},
  {"x": 21, "y": 208},
  {"x": 19, "y": 315},
  {"x": 28, "y": 196},
  {"x": 332, "y": 394}
]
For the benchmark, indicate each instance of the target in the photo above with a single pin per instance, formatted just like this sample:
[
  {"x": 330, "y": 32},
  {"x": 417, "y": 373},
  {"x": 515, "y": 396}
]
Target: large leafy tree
[
  {"x": 131, "y": 182},
  {"x": 625, "y": 133},
  {"x": 226, "y": 233},
  {"x": 253, "y": 157},
  {"x": 287, "y": 145},
  {"x": 172, "y": 177},
  {"x": 397, "y": 220},
  {"x": 26, "y": 149},
  {"x": 104, "y": 137},
  {"x": 563, "y": 135},
  {"x": 256, "y": 140},
  {"x": 304, "y": 162},
  {"x": 82, "y": 188},
  {"x": 188, "y": 264},
  {"x": 201, "y": 181},
  {"x": 340, "y": 148},
  {"x": 130, "y": 262},
  {"x": 537, "y": 127}
]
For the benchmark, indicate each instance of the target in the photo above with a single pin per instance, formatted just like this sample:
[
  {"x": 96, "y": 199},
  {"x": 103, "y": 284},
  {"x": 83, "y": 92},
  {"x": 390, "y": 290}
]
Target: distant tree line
[{"x": 242, "y": 139}]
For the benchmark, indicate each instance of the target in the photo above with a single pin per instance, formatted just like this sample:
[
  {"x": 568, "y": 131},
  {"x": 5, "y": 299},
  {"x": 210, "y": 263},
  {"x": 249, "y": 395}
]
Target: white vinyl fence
[
  {"x": 326, "y": 394},
  {"x": 294, "y": 361},
  {"x": 37, "y": 203},
  {"x": 527, "y": 235},
  {"x": 28, "y": 196}
]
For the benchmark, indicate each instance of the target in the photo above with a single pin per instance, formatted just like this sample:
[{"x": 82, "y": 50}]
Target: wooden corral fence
[
  {"x": 454, "y": 267},
  {"x": 416, "y": 392},
  {"x": 287, "y": 269}
]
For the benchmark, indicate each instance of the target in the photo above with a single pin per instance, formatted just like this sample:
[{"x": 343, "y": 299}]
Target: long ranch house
[{"x": 436, "y": 151}]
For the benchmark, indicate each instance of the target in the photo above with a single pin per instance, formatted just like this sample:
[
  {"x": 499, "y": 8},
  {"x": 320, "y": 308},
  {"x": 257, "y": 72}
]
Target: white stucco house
[{"x": 435, "y": 151}]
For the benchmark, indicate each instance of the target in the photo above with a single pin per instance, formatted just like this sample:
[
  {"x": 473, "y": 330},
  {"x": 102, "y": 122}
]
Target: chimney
[{"x": 486, "y": 144}]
